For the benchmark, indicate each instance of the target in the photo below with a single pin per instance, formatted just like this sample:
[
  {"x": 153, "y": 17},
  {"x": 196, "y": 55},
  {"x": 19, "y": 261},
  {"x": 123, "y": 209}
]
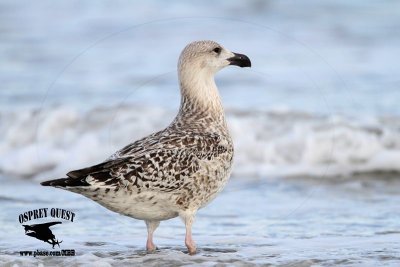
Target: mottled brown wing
[{"x": 164, "y": 166}]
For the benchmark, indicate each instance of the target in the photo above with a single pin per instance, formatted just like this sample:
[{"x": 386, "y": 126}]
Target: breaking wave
[{"x": 48, "y": 143}]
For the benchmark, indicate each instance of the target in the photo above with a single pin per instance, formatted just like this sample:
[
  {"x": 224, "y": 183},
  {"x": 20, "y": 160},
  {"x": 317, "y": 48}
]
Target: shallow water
[
  {"x": 320, "y": 98},
  {"x": 288, "y": 222}
]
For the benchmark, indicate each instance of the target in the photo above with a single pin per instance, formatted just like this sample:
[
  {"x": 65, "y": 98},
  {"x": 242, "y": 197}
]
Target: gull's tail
[
  {"x": 65, "y": 182},
  {"x": 99, "y": 173}
]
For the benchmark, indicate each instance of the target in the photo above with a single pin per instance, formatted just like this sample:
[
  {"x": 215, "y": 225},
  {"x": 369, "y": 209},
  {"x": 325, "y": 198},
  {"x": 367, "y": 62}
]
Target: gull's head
[{"x": 209, "y": 57}]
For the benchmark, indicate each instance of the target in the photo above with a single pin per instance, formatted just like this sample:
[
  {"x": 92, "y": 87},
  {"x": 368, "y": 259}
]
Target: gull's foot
[
  {"x": 192, "y": 251},
  {"x": 150, "y": 247},
  {"x": 152, "y": 250},
  {"x": 191, "y": 248}
]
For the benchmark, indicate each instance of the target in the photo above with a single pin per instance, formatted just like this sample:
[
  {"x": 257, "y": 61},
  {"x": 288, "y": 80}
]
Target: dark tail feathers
[{"x": 66, "y": 182}]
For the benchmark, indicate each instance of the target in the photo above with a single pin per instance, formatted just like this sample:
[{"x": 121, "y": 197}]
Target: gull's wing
[{"x": 160, "y": 162}]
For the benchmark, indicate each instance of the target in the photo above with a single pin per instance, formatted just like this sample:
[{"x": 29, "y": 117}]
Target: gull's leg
[
  {"x": 188, "y": 218},
  {"x": 151, "y": 227}
]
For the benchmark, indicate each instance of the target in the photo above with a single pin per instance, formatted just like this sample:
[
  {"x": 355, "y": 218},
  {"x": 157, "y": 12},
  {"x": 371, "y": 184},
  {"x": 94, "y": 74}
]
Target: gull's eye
[{"x": 217, "y": 50}]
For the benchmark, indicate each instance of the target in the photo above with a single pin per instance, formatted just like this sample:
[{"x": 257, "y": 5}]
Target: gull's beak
[{"x": 239, "y": 60}]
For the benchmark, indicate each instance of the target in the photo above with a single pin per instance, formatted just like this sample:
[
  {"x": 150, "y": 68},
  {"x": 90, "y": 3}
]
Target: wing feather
[{"x": 158, "y": 162}]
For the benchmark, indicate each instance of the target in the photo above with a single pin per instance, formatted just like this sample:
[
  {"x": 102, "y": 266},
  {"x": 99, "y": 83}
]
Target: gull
[{"x": 176, "y": 171}]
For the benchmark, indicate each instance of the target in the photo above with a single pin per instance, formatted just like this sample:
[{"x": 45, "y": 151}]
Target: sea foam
[{"x": 48, "y": 143}]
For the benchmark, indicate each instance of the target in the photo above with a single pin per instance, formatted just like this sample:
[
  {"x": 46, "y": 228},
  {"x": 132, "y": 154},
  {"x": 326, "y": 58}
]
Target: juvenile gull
[{"x": 176, "y": 171}]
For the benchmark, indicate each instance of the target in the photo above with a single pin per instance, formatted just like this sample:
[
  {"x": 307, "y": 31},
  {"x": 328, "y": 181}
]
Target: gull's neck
[{"x": 200, "y": 100}]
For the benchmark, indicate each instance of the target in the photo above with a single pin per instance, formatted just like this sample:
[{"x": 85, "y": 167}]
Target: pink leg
[
  {"x": 151, "y": 227},
  {"x": 188, "y": 218}
]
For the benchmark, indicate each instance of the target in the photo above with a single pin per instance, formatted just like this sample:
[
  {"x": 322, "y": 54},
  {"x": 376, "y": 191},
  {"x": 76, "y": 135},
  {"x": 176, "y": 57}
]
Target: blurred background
[
  {"x": 317, "y": 113},
  {"x": 81, "y": 80}
]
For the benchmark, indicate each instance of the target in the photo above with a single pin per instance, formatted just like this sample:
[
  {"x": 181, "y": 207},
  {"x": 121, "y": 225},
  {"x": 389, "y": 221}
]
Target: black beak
[{"x": 239, "y": 60}]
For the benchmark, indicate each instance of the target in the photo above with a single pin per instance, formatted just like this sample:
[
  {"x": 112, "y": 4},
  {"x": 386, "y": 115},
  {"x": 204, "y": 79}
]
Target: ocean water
[
  {"x": 315, "y": 122},
  {"x": 253, "y": 222}
]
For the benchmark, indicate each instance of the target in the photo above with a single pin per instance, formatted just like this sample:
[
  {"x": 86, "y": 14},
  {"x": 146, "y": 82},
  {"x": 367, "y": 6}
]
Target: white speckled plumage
[{"x": 176, "y": 171}]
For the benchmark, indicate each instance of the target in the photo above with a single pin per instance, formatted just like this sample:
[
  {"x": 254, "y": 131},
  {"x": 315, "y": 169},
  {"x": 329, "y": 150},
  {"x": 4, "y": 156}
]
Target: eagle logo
[{"x": 42, "y": 232}]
